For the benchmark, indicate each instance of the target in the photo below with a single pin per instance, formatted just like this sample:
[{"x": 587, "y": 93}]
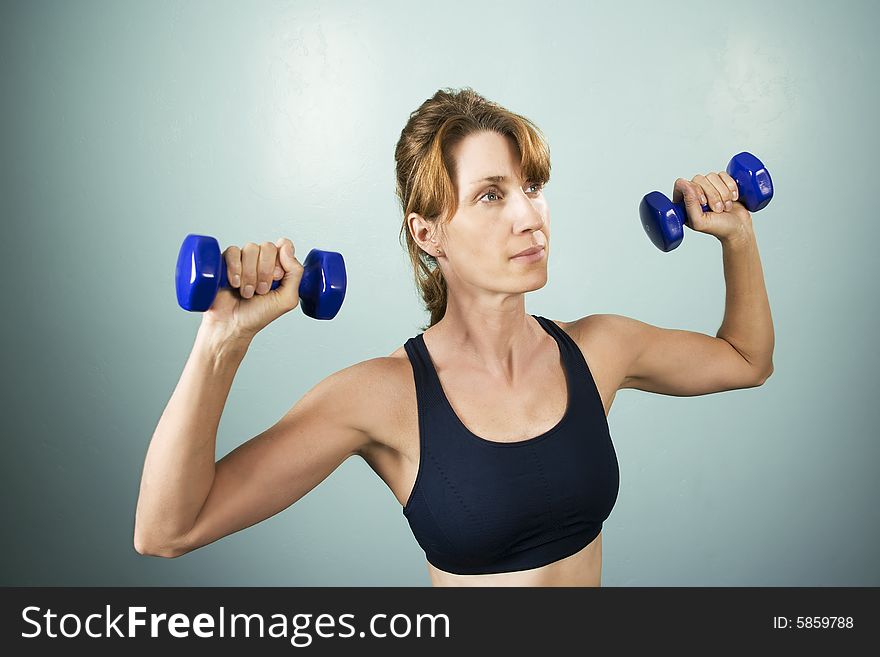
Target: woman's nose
[{"x": 532, "y": 217}]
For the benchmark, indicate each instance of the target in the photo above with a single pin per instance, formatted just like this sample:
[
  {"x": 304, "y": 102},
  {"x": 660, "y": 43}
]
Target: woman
[{"x": 490, "y": 426}]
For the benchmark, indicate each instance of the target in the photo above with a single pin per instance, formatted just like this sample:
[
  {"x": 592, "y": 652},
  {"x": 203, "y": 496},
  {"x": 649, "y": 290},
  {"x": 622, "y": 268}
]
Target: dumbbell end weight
[
  {"x": 752, "y": 179},
  {"x": 198, "y": 274},
  {"x": 662, "y": 220},
  {"x": 201, "y": 272},
  {"x": 322, "y": 288}
]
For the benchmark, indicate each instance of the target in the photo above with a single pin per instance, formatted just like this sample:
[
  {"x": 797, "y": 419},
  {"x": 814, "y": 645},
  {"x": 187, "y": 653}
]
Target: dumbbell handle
[{"x": 681, "y": 208}]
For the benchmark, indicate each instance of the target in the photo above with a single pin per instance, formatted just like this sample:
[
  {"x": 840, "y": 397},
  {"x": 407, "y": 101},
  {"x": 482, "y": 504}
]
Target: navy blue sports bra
[{"x": 480, "y": 506}]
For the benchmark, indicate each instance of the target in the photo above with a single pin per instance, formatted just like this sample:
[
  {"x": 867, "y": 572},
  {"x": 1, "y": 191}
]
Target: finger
[
  {"x": 232, "y": 256},
  {"x": 722, "y": 188},
  {"x": 250, "y": 255},
  {"x": 715, "y": 202},
  {"x": 731, "y": 185},
  {"x": 265, "y": 266}
]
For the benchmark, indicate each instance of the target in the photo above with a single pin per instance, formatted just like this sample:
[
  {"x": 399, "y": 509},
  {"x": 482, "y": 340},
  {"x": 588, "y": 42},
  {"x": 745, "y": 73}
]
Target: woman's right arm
[
  {"x": 179, "y": 466},
  {"x": 187, "y": 500}
]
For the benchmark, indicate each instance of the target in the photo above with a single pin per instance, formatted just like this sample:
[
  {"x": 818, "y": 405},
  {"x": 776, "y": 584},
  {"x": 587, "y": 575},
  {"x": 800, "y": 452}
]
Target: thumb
[
  {"x": 286, "y": 255},
  {"x": 288, "y": 287}
]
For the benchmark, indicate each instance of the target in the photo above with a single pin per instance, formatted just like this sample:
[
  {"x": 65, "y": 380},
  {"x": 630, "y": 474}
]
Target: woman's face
[{"x": 495, "y": 220}]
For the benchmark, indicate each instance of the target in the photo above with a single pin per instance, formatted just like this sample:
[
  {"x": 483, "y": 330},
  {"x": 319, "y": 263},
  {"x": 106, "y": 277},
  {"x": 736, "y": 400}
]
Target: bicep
[
  {"x": 276, "y": 468},
  {"x": 673, "y": 361}
]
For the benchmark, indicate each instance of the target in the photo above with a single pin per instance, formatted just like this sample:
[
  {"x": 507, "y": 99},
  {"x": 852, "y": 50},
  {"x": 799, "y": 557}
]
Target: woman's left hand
[{"x": 727, "y": 217}]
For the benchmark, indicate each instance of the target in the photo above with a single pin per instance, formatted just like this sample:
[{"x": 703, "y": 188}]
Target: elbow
[
  {"x": 764, "y": 375},
  {"x": 166, "y": 550}
]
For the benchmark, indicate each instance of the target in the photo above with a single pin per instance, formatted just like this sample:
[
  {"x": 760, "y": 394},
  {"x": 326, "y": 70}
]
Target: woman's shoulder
[
  {"x": 373, "y": 393},
  {"x": 603, "y": 344},
  {"x": 399, "y": 354}
]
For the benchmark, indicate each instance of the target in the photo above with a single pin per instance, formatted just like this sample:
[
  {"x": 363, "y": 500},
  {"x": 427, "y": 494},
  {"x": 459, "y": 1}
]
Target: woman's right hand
[{"x": 248, "y": 305}]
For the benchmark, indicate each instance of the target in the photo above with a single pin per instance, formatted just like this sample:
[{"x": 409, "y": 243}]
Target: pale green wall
[{"x": 126, "y": 125}]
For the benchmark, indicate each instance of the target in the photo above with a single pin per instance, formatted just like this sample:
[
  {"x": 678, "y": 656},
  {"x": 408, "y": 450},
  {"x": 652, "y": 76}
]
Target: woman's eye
[{"x": 492, "y": 192}]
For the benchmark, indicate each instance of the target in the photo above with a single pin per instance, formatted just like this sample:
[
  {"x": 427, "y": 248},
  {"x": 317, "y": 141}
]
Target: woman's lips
[
  {"x": 531, "y": 255},
  {"x": 529, "y": 251}
]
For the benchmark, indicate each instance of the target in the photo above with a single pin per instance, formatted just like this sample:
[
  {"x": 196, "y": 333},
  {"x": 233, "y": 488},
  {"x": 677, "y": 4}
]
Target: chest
[
  {"x": 500, "y": 412},
  {"x": 487, "y": 409}
]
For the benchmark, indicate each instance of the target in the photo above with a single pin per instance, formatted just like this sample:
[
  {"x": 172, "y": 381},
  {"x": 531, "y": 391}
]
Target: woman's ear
[{"x": 422, "y": 232}]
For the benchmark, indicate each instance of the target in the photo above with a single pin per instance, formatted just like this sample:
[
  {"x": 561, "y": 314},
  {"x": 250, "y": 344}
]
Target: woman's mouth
[{"x": 530, "y": 255}]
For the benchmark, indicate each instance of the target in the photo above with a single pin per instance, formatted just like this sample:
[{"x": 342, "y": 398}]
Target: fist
[
  {"x": 712, "y": 204},
  {"x": 249, "y": 304}
]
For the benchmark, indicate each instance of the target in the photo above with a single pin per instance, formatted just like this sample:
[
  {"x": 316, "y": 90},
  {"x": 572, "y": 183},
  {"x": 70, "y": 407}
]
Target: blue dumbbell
[
  {"x": 201, "y": 272},
  {"x": 664, "y": 220}
]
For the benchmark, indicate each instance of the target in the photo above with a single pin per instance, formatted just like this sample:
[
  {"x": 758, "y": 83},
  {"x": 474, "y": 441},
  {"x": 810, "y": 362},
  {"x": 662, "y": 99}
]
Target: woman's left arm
[
  {"x": 747, "y": 323},
  {"x": 686, "y": 363}
]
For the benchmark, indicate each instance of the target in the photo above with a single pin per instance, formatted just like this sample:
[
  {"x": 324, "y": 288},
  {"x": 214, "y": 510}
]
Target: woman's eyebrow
[{"x": 494, "y": 179}]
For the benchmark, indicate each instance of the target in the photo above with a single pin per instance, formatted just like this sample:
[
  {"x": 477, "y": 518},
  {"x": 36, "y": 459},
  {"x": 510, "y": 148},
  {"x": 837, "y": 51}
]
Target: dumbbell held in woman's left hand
[{"x": 664, "y": 220}]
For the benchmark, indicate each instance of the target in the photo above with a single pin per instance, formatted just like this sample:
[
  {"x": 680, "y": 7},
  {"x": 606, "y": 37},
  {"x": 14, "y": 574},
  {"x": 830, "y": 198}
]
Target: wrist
[
  {"x": 743, "y": 236},
  {"x": 221, "y": 342}
]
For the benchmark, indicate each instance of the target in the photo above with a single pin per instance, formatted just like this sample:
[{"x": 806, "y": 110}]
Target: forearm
[
  {"x": 747, "y": 323},
  {"x": 179, "y": 466}
]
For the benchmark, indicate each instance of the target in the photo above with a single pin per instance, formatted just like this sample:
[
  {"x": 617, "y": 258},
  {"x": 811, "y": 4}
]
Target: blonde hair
[{"x": 426, "y": 171}]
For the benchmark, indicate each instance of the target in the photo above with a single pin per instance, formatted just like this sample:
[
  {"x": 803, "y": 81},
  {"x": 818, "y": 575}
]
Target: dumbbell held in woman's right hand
[
  {"x": 664, "y": 220},
  {"x": 201, "y": 273}
]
